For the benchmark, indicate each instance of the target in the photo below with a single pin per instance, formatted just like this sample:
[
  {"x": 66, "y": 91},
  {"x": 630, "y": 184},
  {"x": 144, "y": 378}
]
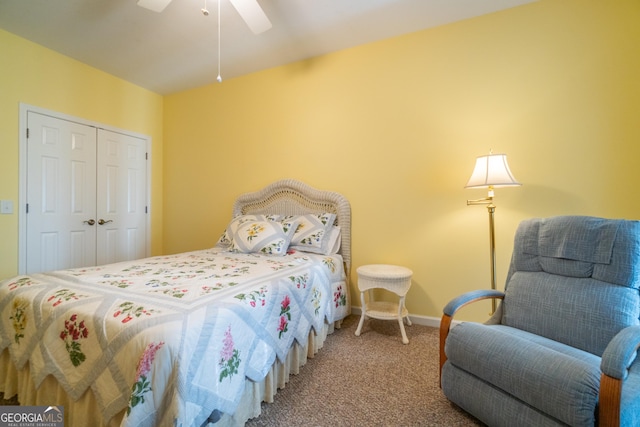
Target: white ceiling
[{"x": 177, "y": 49}]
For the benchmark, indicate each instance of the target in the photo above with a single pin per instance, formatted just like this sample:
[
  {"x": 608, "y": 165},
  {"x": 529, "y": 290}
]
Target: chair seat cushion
[{"x": 558, "y": 380}]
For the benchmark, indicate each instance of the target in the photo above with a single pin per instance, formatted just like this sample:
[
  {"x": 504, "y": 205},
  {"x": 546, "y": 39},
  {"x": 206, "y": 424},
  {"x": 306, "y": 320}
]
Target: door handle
[
  {"x": 103, "y": 222},
  {"x": 90, "y": 222}
]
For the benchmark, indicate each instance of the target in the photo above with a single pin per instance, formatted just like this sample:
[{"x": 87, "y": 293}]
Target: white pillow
[
  {"x": 312, "y": 230},
  {"x": 333, "y": 241},
  {"x": 330, "y": 243},
  {"x": 267, "y": 237},
  {"x": 226, "y": 238}
]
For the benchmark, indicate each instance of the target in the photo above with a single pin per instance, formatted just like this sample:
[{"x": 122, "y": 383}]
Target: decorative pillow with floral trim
[
  {"x": 226, "y": 238},
  {"x": 330, "y": 243},
  {"x": 333, "y": 241},
  {"x": 312, "y": 229},
  {"x": 313, "y": 233},
  {"x": 266, "y": 237}
]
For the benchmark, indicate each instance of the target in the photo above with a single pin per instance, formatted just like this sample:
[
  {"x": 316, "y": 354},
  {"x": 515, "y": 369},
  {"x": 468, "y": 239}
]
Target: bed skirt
[{"x": 19, "y": 382}]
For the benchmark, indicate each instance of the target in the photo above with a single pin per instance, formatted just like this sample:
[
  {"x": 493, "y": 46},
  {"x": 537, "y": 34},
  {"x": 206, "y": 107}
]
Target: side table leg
[
  {"x": 405, "y": 340},
  {"x": 362, "y": 316},
  {"x": 408, "y": 318}
]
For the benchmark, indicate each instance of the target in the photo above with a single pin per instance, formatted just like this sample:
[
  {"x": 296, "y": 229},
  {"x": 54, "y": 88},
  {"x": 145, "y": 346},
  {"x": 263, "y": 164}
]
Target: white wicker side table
[{"x": 393, "y": 278}]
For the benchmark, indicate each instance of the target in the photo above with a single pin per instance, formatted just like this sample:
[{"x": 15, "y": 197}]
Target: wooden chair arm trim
[
  {"x": 445, "y": 326},
  {"x": 609, "y": 401}
]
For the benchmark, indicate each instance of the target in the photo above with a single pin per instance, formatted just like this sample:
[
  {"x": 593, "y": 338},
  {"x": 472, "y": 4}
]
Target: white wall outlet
[{"x": 6, "y": 206}]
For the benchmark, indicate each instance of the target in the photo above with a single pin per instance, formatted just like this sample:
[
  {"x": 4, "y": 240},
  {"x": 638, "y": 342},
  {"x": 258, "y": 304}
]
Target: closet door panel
[
  {"x": 122, "y": 197},
  {"x": 61, "y": 200}
]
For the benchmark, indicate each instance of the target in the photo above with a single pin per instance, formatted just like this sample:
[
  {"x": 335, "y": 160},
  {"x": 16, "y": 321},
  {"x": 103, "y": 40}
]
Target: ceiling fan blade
[
  {"x": 252, "y": 14},
  {"x": 155, "y": 5}
]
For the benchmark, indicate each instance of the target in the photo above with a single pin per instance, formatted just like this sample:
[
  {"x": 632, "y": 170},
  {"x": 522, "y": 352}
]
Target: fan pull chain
[
  {"x": 205, "y": 12},
  {"x": 219, "y": 78}
]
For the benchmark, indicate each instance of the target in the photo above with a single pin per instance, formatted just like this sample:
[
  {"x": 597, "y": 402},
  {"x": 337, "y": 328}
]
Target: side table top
[{"x": 384, "y": 271}]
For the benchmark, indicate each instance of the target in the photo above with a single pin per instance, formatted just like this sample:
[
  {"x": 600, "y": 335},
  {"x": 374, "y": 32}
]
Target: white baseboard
[{"x": 433, "y": 322}]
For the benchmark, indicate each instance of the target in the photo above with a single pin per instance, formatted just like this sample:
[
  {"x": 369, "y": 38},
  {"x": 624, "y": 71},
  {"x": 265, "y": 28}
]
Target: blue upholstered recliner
[{"x": 560, "y": 349}]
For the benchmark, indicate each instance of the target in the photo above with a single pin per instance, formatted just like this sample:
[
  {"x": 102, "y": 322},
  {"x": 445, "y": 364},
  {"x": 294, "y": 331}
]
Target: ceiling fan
[{"x": 249, "y": 10}]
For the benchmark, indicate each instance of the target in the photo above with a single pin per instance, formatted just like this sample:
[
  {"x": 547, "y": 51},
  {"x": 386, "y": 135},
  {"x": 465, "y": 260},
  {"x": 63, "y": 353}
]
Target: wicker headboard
[{"x": 291, "y": 197}]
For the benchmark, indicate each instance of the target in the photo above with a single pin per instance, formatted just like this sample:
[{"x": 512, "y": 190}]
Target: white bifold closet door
[{"x": 86, "y": 195}]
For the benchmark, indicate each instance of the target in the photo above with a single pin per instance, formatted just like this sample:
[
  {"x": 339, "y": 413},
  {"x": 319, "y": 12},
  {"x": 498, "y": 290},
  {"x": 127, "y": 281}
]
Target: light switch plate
[{"x": 6, "y": 206}]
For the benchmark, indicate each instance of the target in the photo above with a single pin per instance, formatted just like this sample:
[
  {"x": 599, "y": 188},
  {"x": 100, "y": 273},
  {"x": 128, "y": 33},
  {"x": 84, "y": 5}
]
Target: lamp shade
[{"x": 492, "y": 170}]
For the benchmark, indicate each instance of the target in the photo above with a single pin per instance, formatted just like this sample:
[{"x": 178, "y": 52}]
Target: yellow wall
[
  {"x": 396, "y": 126},
  {"x": 37, "y": 76}
]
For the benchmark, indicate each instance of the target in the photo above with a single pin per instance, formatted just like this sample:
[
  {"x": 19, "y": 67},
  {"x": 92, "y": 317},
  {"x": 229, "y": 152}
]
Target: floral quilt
[{"x": 170, "y": 338}]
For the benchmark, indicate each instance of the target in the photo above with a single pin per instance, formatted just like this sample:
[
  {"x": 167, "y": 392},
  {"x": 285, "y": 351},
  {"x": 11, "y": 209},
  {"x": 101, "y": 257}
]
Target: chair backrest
[{"x": 574, "y": 279}]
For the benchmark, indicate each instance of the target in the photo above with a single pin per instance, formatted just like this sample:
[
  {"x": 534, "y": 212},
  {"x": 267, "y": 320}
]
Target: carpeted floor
[{"x": 370, "y": 380}]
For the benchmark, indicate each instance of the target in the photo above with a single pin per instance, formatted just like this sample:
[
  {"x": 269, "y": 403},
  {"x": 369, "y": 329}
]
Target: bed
[{"x": 188, "y": 339}]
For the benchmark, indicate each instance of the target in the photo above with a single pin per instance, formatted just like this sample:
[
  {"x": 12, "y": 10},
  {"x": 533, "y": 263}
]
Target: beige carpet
[{"x": 370, "y": 380}]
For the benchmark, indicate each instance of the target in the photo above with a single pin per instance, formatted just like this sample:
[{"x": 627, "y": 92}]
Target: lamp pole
[{"x": 491, "y": 208}]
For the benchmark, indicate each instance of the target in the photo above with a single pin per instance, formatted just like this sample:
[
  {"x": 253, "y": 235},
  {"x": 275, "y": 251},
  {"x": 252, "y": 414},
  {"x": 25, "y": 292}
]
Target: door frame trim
[{"x": 22, "y": 171}]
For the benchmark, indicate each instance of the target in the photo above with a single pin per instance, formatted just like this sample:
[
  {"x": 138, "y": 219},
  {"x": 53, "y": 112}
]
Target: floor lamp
[{"x": 491, "y": 171}]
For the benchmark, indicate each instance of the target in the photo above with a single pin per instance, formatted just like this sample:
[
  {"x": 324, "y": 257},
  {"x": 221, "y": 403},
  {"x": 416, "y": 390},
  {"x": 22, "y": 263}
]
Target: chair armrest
[
  {"x": 469, "y": 297},
  {"x": 621, "y": 352},
  {"x": 453, "y": 306}
]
